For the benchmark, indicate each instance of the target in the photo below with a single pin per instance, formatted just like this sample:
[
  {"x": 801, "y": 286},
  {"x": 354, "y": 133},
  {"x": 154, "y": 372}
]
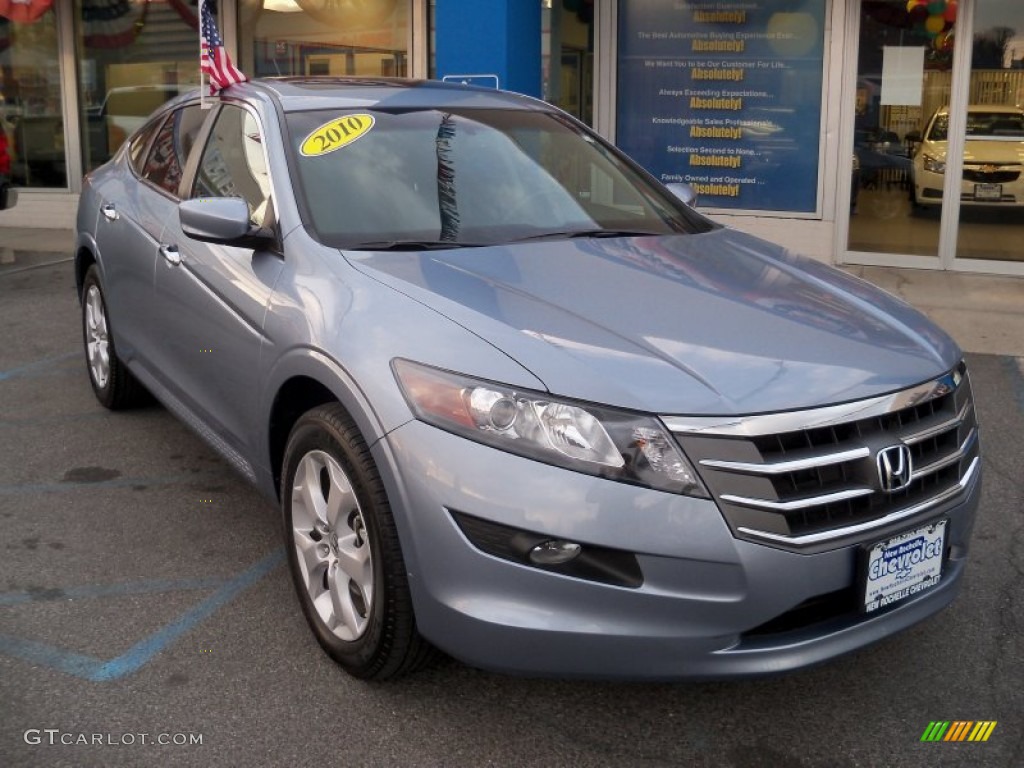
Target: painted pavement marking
[
  {"x": 37, "y": 367},
  {"x": 136, "y": 657}
]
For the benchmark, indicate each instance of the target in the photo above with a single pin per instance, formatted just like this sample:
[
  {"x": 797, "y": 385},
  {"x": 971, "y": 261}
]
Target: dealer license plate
[
  {"x": 904, "y": 565},
  {"x": 988, "y": 191}
]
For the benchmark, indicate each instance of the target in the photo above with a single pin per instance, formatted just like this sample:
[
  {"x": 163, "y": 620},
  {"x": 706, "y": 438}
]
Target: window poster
[
  {"x": 902, "y": 75},
  {"x": 726, "y": 96}
]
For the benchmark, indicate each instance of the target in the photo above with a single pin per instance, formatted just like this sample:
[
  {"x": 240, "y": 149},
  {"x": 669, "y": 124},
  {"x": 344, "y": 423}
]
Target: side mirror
[
  {"x": 223, "y": 220},
  {"x": 684, "y": 192},
  {"x": 913, "y": 137},
  {"x": 8, "y": 196}
]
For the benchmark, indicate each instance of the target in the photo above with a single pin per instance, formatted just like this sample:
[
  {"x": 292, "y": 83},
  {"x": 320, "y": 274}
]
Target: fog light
[
  {"x": 566, "y": 558},
  {"x": 554, "y": 552}
]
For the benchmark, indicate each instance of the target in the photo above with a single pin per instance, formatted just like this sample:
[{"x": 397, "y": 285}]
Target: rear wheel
[
  {"x": 113, "y": 384},
  {"x": 343, "y": 549}
]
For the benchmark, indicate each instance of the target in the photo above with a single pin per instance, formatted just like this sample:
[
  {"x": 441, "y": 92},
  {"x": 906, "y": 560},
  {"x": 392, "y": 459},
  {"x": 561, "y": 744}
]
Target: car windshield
[
  {"x": 377, "y": 179},
  {"x": 992, "y": 125}
]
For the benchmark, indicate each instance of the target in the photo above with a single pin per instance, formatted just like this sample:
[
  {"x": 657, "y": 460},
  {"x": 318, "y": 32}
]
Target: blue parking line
[
  {"x": 30, "y": 368},
  {"x": 136, "y": 657},
  {"x": 48, "y": 656},
  {"x": 98, "y": 670}
]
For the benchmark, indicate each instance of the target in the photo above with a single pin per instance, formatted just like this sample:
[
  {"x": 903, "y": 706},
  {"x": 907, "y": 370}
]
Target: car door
[
  {"x": 136, "y": 197},
  {"x": 210, "y": 300}
]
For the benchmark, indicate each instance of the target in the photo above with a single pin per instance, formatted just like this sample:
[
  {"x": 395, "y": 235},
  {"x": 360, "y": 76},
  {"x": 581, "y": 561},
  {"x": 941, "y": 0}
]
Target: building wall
[
  {"x": 815, "y": 239},
  {"x": 50, "y": 208}
]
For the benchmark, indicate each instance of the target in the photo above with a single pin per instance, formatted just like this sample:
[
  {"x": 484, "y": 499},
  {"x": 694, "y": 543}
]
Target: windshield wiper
[
  {"x": 575, "y": 233},
  {"x": 411, "y": 245},
  {"x": 440, "y": 245}
]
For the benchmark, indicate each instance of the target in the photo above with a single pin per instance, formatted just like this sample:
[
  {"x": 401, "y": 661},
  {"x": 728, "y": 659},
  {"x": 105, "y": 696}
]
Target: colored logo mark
[{"x": 959, "y": 730}]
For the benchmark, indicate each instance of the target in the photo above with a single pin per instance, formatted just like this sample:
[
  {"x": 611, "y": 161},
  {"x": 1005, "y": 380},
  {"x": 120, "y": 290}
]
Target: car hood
[
  {"x": 710, "y": 324},
  {"x": 996, "y": 151}
]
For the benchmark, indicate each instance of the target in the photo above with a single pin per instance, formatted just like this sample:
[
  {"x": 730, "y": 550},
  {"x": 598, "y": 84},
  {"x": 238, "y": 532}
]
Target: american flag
[{"x": 213, "y": 59}]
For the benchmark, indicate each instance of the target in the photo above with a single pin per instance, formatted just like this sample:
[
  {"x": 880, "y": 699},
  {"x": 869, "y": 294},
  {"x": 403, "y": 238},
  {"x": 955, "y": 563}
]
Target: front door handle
[
  {"x": 110, "y": 212},
  {"x": 170, "y": 254}
]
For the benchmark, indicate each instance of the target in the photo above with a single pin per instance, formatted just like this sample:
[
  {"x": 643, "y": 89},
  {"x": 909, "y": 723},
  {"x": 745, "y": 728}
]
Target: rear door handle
[
  {"x": 170, "y": 254},
  {"x": 110, "y": 212}
]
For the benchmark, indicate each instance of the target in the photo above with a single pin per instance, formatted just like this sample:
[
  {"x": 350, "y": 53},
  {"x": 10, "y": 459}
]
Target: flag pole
[
  {"x": 214, "y": 61},
  {"x": 202, "y": 83}
]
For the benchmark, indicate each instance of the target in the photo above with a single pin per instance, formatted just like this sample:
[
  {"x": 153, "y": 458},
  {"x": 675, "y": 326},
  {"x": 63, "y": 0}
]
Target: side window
[
  {"x": 139, "y": 143},
  {"x": 234, "y": 163},
  {"x": 166, "y": 160}
]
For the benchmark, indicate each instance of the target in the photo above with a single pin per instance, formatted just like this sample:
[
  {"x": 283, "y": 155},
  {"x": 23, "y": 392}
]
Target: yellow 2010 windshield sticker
[{"x": 336, "y": 134}]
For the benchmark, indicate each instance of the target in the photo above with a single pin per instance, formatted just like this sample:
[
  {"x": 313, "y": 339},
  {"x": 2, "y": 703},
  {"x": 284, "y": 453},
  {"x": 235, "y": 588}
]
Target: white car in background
[{"x": 993, "y": 158}]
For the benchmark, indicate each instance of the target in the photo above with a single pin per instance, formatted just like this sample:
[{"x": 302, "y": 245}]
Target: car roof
[{"x": 309, "y": 93}]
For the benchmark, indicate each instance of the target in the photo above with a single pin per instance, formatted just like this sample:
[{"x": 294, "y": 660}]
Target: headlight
[
  {"x": 934, "y": 164},
  {"x": 618, "y": 445}
]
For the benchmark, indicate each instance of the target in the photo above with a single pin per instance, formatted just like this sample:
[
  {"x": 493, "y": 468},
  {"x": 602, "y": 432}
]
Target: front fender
[
  {"x": 314, "y": 364},
  {"x": 86, "y": 248}
]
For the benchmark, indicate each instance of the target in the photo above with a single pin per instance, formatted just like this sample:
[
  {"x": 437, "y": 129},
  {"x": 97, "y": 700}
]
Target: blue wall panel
[{"x": 490, "y": 37}]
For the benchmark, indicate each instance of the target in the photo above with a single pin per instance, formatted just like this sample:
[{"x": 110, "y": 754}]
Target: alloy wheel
[
  {"x": 97, "y": 337},
  {"x": 331, "y": 542}
]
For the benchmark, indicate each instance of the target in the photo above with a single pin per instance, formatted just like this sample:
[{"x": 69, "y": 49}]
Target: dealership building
[{"x": 881, "y": 132}]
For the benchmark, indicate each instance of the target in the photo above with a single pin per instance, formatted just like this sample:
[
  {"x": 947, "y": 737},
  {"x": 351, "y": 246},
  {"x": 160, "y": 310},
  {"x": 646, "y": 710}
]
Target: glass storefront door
[
  {"x": 991, "y": 222},
  {"x": 938, "y": 135},
  {"x": 567, "y": 56},
  {"x": 904, "y": 75},
  {"x": 133, "y": 55},
  {"x": 31, "y": 119}
]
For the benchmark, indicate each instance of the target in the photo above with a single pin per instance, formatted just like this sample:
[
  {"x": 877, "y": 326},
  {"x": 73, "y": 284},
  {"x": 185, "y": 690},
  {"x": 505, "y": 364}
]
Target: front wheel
[
  {"x": 343, "y": 549},
  {"x": 112, "y": 382}
]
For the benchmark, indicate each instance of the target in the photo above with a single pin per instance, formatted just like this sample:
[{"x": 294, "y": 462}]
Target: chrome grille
[
  {"x": 998, "y": 176},
  {"x": 810, "y": 478}
]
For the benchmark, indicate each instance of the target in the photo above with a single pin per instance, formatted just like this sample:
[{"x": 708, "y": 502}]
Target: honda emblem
[{"x": 895, "y": 470}]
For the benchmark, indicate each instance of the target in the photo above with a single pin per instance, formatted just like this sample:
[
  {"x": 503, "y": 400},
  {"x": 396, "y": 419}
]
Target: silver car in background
[{"x": 518, "y": 401}]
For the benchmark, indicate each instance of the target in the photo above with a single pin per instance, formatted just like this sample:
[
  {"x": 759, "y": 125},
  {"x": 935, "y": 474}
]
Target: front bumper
[
  {"x": 709, "y": 604},
  {"x": 976, "y": 189}
]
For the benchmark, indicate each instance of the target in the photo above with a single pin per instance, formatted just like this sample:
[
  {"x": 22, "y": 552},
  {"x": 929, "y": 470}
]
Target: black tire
[
  {"x": 112, "y": 383},
  {"x": 376, "y": 639}
]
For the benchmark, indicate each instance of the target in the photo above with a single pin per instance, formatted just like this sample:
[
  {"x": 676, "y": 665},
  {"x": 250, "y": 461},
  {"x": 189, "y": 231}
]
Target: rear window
[
  {"x": 139, "y": 144},
  {"x": 165, "y": 163}
]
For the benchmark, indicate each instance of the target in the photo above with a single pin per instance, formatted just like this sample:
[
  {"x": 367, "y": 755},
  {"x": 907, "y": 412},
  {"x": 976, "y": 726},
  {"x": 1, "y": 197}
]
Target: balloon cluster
[{"x": 936, "y": 19}]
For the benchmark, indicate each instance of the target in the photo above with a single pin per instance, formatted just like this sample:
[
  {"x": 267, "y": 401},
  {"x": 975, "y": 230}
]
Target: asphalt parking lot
[{"x": 146, "y": 618}]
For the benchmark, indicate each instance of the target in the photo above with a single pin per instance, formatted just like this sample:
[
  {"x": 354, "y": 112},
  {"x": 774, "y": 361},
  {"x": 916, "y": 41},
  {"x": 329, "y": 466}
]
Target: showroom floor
[{"x": 884, "y": 222}]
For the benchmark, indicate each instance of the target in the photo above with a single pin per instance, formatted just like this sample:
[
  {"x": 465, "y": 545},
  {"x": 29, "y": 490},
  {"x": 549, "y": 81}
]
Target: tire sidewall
[{"x": 311, "y": 434}]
